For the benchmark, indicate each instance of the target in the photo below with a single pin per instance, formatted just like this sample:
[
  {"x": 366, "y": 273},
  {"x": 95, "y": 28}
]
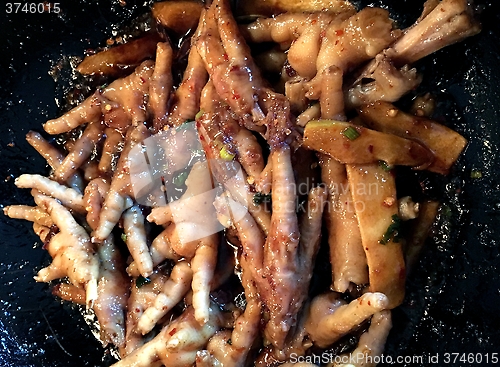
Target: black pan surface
[{"x": 453, "y": 298}]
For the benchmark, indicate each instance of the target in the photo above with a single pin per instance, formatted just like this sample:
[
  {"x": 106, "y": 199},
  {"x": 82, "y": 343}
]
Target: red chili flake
[
  {"x": 322, "y": 34},
  {"x": 314, "y": 21},
  {"x": 236, "y": 96},
  {"x": 173, "y": 331},
  {"x": 369, "y": 303},
  {"x": 137, "y": 310},
  {"x": 226, "y": 57},
  {"x": 370, "y": 148},
  {"x": 339, "y": 32},
  {"x": 143, "y": 80}
]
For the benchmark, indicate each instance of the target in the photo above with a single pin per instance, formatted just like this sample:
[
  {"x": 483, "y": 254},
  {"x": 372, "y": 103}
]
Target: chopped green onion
[
  {"x": 393, "y": 231},
  {"x": 124, "y": 237},
  {"x": 475, "y": 174},
  {"x": 141, "y": 281},
  {"x": 446, "y": 210},
  {"x": 199, "y": 114},
  {"x": 226, "y": 155},
  {"x": 350, "y": 133},
  {"x": 260, "y": 198},
  {"x": 230, "y": 342},
  {"x": 180, "y": 179},
  {"x": 385, "y": 166}
]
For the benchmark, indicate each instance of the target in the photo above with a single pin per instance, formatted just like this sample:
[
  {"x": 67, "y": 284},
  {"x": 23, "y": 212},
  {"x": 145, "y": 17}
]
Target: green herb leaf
[
  {"x": 230, "y": 342},
  {"x": 180, "y": 179},
  {"x": 199, "y": 114},
  {"x": 476, "y": 174},
  {"x": 351, "y": 133},
  {"x": 393, "y": 231},
  {"x": 141, "y": 281},
  {"x": 124, "y": 237},
  {"x": 226, "y": 155},
  {"x": 385, "y": 166},
  {"x": 260, "y": 198},
  {"x": 446, "y": 210}
]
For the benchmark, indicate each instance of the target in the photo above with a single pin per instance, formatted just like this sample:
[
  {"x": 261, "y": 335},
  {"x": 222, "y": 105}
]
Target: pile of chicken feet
[{"x": 155, "y": 290}]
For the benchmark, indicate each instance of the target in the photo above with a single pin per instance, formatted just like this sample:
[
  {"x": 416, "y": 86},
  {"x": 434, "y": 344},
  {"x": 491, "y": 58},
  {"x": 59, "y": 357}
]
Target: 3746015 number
[
  {"x": 32, "y": 8},
  {"x": 470, "y": 358}
]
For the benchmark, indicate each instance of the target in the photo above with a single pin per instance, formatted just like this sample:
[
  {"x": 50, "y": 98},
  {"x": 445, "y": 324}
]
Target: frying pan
[{"x": 453, "y": 297}]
